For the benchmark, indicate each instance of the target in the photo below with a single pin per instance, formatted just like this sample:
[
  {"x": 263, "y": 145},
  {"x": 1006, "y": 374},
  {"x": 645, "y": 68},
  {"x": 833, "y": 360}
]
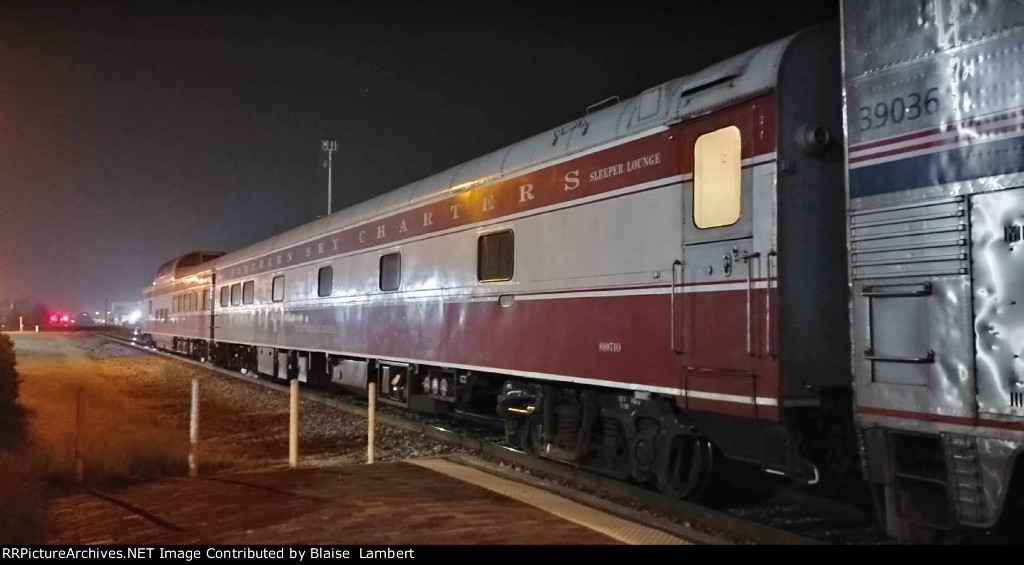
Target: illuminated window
[
  {"x": 325, "y": 281},
  {"x": 248, "y": 292},
  {"x": 495, "y": 254},
  {"x": 224, "y": 295},
  {"x": 716, "y": 178},
  {"x": 277, "y": 289},
  {"x": 390, "y": 271},
  {"x": 236, "y": 294}
]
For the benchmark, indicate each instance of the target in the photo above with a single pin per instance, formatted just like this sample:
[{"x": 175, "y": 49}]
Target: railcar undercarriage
[{"x": 628, "y": 435}]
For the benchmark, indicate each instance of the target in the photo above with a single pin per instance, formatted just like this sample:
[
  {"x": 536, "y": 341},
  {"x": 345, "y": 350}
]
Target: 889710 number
[{"x": 899, "y": 109}]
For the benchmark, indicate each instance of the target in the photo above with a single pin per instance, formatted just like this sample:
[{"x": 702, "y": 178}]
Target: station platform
[{"x": 417, "y": 502}]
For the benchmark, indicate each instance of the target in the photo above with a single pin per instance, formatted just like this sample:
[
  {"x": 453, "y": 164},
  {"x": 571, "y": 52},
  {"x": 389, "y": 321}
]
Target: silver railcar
[
  {"x": 934, "y": 94},
  {"x": 640, "y": 291}
]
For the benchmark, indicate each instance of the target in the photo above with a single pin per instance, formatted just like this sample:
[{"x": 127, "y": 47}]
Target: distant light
[
  {"x": 134, "y": 317},
  {"x": 65, "y": 318},
  {"x": 54, "y": 318},
  {"x": 97, "y": 313}
]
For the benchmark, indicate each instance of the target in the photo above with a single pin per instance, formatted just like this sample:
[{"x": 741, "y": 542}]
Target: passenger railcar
[
  {"x": 936, "y": 155},
  {"x": 682, "y": 276},
  {"x": 641, "y": 291}
]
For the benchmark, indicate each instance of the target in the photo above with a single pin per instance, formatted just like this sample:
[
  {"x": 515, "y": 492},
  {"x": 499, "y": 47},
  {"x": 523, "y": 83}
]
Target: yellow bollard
[
  {"x": 293, "y": 426},
  {"x": 371, "y": 421},
  {"x": 193, "y": 432}
]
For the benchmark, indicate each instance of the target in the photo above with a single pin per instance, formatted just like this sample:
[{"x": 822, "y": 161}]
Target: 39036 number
[{"x": 900, "y": 108}]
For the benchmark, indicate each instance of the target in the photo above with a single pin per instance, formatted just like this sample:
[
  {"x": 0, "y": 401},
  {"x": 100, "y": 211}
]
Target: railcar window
[
  {"x": 325, "y": 281},
  {"x": 176, "y": 304},
  {"x": 716, "y": 178},
  {"x": 248, "y": 292},
  {"x": 391, "y": 271},
  {"x": 206, "y": 300},
  {"x": 224, "y": 296},
  {"x": 236, "y": 294},
  {"x": 277, "y": 289},
  {"x": 195, "y": 301},
  {"x": 495, "y": 256}
]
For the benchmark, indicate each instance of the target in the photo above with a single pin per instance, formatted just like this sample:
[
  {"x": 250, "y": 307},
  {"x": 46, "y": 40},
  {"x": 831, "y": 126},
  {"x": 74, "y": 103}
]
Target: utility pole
[{"x": 330, "y": 147}]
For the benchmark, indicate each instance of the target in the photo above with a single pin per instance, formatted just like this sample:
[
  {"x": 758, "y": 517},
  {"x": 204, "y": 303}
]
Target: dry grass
[
  {"x": 125, "y": 438},
  {"x": 122, "y": 438},
  {"x": 135, "y": 426}
]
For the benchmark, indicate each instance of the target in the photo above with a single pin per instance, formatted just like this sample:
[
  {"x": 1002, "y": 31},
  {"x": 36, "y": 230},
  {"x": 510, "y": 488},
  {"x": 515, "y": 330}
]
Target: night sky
[{"x": 130, "y": 135}]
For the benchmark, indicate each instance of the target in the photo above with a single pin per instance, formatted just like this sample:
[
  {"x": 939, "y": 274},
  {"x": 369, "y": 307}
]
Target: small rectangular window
[
  {"x": 224, "y": 295},
  {"x": 248, "y": 292},
  {"x": 236, "y": 294},
  {"x": 150, "y": 306},
  {"x": 716, "y": 178},
  {"x": 496, "y": 256},
  {"x": 195, "y": 301},
  {"x": 206, "y": 300},
  {"x": 325, "y": 281},
  {"x": 277, "y": 289},
  {"x": 391, "y": 271}
]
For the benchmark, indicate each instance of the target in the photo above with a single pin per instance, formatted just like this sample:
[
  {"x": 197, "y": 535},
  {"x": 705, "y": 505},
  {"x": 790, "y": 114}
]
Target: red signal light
[
  {"x": 53, "y": 318},
  {"x": 65, "y": 318}
]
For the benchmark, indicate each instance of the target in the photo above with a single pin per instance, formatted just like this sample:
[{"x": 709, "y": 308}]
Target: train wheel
[
  {"x": 689, "y": 470},
  {"x": 530, "y": 430}
]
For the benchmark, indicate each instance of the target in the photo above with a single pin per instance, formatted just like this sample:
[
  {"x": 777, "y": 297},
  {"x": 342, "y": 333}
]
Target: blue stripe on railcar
[{"x": 952, "y": 165}]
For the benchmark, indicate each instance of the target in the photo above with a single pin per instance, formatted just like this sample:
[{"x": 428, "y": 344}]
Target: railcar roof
[{"x": 735, "y": 78}]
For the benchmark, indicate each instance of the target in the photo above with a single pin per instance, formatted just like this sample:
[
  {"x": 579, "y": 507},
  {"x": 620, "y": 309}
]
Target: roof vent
[{"x": 610, "y": 101}]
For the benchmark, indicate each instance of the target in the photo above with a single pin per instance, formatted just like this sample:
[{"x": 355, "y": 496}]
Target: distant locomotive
[{"x": 681, "y": 277}]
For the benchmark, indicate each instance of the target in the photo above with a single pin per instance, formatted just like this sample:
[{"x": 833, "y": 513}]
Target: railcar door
[
  {"x": 715, "y": 287},
  {"x": 997, "y": 239}
]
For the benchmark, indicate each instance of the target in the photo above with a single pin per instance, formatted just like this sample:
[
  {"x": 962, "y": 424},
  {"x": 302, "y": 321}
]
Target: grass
[
  {"x": 122, "y": 439},
  {"x": 135, "y": 426},
  {"x": 125, "y": 438}
]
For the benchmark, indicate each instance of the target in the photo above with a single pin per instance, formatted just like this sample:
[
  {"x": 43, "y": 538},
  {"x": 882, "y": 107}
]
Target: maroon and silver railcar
[{"x": 640, "y": 291}]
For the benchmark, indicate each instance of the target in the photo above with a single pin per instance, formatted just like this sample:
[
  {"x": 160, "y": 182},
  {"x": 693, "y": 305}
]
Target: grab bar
[
  {"x": 672, "y": 305},
  {"x": 869, "y": 354}
]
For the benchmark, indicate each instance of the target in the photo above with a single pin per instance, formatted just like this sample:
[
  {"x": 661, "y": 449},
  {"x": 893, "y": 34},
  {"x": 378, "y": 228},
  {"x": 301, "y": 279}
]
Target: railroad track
[{"x": 839, "y": 522}]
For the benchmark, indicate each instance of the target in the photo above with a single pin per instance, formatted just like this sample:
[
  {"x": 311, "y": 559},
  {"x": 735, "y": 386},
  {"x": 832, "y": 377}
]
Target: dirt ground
[{"x": 135, "y": 425}]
